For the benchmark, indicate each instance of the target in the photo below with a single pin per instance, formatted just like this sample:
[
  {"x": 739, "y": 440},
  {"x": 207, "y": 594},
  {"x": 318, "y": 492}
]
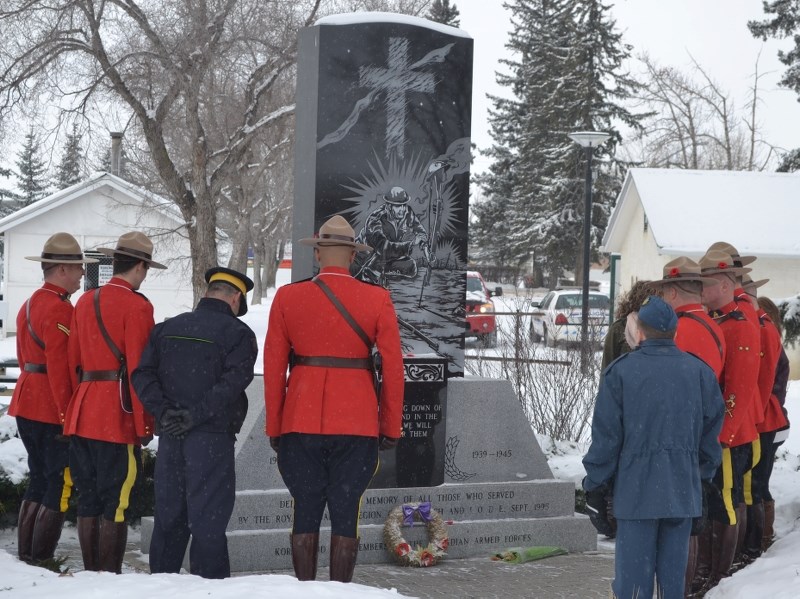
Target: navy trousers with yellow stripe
[
  {"x": 104, "y": 474},
  {"x": 50, "y": 481},
  {"x": 327, "y": 469}
]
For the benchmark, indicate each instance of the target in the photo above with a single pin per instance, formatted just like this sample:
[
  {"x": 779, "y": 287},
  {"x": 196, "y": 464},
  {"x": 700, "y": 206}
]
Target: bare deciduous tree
[
  {"x": 694, "y": 123},
  {"x": 162, "y": 60}
]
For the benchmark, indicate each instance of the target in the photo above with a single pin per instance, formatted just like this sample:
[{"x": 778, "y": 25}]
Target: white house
[
  {"x": 665, "y": 213},
  {"x": 96, "y": 212}
]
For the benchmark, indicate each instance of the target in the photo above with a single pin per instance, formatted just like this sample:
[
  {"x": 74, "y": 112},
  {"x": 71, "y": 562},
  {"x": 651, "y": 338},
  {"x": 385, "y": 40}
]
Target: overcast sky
[{"x": 714, "y": 32}]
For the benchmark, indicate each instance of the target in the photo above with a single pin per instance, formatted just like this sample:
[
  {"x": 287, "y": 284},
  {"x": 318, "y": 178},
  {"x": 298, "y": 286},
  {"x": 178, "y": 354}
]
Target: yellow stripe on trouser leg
[
  {"x": 360, "y": 499},
  {"x": 66, "y": 490},
  {"x": 127, "y": 486},
  {"x": 727, "y": 485},
  {"x": 748, "y": 476}
]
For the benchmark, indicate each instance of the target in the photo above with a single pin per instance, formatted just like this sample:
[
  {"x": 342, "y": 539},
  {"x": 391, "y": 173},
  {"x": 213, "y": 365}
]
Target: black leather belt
[
  {"x": 99, "y": 375},
  {"x": 31, "y": 367},
  {"x": 333, "y": 362}
]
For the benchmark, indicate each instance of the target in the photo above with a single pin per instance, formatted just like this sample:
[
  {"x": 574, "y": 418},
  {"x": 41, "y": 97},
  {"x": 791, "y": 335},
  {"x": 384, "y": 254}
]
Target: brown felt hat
[
  {"x": 136, "y": 245},
  {"x": 62, "y": 248},
  {"x": 717, "y": 262},
  {"x": 683, "y": 269},
  {"x": 726, "y": 247},
  {"x": 335, "y": 231},
  {"x": 748, "y": 283}
]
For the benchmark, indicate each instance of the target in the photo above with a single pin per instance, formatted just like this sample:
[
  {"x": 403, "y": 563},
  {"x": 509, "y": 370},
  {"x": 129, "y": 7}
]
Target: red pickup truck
[{"x": 480, "y": 310}]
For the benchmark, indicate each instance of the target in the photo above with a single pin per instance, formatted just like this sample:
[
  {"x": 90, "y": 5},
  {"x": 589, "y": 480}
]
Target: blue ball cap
[{"x": 658, "y": 314}]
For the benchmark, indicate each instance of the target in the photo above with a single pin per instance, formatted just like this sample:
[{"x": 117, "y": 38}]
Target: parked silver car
[{"x": 557, "y": 319}]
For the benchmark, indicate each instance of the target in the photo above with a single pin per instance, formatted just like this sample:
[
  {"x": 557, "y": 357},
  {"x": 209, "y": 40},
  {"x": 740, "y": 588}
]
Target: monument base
[{"x": 498, "y": 491}]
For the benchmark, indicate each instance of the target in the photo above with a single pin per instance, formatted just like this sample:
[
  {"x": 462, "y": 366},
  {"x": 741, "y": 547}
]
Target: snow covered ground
[{"x": 775, "y": 575}]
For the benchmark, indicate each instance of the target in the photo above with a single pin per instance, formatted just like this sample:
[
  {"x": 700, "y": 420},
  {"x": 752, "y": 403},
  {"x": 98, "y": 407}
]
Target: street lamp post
[{"x": 588, "y": 140}]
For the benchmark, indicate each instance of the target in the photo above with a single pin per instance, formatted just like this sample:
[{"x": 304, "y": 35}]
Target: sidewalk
[{"x": 578, "y": 576}]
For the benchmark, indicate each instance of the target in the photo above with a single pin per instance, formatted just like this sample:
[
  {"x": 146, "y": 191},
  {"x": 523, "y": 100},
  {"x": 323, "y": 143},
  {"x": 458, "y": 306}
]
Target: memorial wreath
[{"x": 405, "y": 515}]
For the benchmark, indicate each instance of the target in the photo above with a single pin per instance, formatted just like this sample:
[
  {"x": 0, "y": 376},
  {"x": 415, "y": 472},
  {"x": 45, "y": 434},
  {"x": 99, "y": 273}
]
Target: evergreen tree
[
  {"x": 442, "y": 11},
  {"x": 31, "y": 171},
  {"x": 565, "y": 76},
  {"x": 7, "y": 197},
  {"x": 70, "y": 168},
  {"x": 785, "y": 24}
]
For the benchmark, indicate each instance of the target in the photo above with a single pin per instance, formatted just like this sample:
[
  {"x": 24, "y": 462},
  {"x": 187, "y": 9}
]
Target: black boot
[
  {"x": 344, "y": 552},
  {"x": 89, "y": 537},
  {"x": 305, "y": 548},
  {"x": 113, "y": 542},
  {"x": 46, "y": 533},
  {"x": 25, "y": 528}
]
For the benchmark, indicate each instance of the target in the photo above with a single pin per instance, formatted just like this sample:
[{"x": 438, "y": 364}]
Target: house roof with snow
[
  {"x": 95, "y": 181},
  {"x": 688, "y": 210}
]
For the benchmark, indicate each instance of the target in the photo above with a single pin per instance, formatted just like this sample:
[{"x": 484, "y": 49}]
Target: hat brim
[
  {"x": 736, "y": 271},
  {"x": 316, "y": 242},
  {"x": 756, "y": 284},
  {"x": 52, "y": 261},
  {"x": 112, "y": 251},
  {"x": 745, "y": 260},
  {"x": 700, "y": 279}
]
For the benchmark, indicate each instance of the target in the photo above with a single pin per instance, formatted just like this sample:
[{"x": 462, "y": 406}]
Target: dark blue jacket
[
  {"x": 654, "y": 433},
  {"x": 201, "y": 361}
]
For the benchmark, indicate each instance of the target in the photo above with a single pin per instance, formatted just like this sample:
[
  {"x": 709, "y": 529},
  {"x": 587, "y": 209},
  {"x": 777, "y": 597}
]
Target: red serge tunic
[
  {"x": 745, "y": 306},
  {"x": 95, "y": 410},
  {"x": 332, "y": 401},
  {"x": 39, "y": 396},
  {"x": 697, "y": 338},
  {"x": 771, "y": 345},
  {"x": 740, "y": 376}
]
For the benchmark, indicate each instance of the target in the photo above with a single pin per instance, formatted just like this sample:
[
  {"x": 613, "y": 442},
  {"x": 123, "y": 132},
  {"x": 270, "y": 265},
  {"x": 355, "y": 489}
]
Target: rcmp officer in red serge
[
  {"x": 192, "y": 377},
  {"x": 42, "y": 393},
  {"x": 327, "y": 425},
  {"x": 740, "y": 393},
  {"x": 110, "y": 327}
]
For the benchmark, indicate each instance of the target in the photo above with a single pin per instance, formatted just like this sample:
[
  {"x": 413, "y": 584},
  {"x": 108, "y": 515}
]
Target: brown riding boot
[
  {"x": 25, "y": 527},
  {"x": 755, "y": 531},
  {"x": 305, "y": 549},
  {"x": 344, "y": 551},
  {"x": 89, "y": 537},
  {"x": 703, "y": 566},
  {"x": 46, "y": 533},
  {"x": 113, "y": 541},
  {"x": 691, "y": 565},
  {"x": 768, "y": 536},
  {"x": 723, "y": 549}
]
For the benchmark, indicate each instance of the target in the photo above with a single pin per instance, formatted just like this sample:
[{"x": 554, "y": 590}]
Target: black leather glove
[
  {"x": 707, "y": 491},
  {"x": 597, "y": 507},
  {"x": 385, "y": 442},
  {"x": 176, "y": 422},
  {"x": 274, "y": 442}
]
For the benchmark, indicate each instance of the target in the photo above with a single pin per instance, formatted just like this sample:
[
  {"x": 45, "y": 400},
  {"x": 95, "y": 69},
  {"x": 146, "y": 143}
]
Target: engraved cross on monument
[{"x": 397, "y": 80}]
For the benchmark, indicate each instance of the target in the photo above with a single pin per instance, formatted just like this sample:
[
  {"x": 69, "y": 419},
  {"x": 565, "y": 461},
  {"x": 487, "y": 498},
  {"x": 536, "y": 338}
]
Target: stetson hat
[
  {"x": 136, "y": 245},
  {"x": 335, "y": 231},
  {"x": 234, "y": 278},
  {"x": 748, "y": 283},
  {"x": 62, "y": 248},
  {"x": 683, "y": 269},
  {"x": 726, "y": 247},
  {"x": 718, "y": 262}
]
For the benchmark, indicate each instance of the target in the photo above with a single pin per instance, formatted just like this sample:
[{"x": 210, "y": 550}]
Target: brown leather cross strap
[
  {"x": 99, "y": 375},
  {"x": 31, "y": 332},
  {"x": 38, "y": 368},
  {"x": 343, "y": 311},
  {"x": 120, "y": 375},
  {"x": 707, "y": 327},
  {"x": 332, "y": 362}
]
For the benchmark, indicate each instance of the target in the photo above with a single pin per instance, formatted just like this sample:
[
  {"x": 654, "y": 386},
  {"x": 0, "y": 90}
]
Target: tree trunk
[
  {"x": 203, "y": 244},
  {"x": 259, "y": 290}
]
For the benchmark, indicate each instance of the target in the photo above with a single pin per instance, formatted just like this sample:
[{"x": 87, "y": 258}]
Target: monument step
[
  {"x": 260, "y": 550},
  {"x": 547, "y": 498}
]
